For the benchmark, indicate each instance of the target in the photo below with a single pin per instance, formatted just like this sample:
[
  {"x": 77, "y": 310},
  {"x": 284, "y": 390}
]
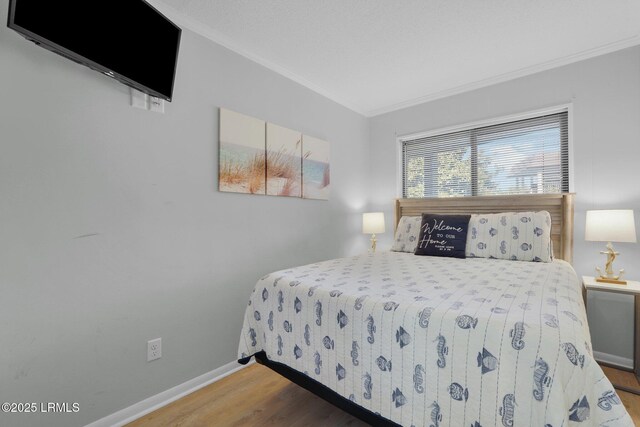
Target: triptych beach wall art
[{"x": 257, "y": 157}]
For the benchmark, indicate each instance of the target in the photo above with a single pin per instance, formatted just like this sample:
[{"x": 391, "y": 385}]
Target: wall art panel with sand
[
  {"x": 315, "y": 168},
  {"x": 284, "y": 161},
  {"x": 242, "y": 153}
]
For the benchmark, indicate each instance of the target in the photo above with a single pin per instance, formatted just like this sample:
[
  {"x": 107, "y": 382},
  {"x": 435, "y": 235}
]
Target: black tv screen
[{"x": 128, "y": 40}]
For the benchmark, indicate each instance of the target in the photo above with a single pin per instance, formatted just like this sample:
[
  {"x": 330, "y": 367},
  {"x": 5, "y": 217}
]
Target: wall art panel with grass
[
  {"x": 284, "y": 161},
  {"x": 242, "y": 153},
  {"x": 257, "y": 157}
]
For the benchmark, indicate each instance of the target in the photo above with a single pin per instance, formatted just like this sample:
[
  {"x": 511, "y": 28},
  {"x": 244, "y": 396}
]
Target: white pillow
[
  {"x": 407, "y": 233},
  {"x": 521, "y": 236}
]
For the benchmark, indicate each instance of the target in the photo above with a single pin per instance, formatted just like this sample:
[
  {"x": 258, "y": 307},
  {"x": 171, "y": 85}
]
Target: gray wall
[
  {"x": 605, "y": 93},
  {"x": 165, "y": 254}
]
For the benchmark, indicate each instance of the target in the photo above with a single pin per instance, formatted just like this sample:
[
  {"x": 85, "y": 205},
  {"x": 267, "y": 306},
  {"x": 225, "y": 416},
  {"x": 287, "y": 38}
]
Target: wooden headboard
[{"x": 560, "y": 206}]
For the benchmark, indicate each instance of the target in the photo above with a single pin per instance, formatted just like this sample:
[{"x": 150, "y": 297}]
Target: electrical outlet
[{"x": 154, "y": 349}]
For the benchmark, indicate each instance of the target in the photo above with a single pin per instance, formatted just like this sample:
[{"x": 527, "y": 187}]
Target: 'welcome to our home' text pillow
[
  {"x": 443, "y": 235},
  {"x": 518, "y": 236}
]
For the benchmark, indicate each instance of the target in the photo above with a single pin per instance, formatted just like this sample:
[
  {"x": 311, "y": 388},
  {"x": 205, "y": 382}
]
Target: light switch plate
[
  {"x": 139, "y": 99},
  {"x": 156, "y": 104}
]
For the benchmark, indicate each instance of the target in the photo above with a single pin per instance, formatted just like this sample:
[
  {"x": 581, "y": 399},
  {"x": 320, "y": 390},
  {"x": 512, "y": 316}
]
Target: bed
[{"x": 399, "y": 339}]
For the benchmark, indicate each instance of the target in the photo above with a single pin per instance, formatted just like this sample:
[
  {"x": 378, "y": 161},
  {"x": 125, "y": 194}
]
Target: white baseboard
[
  {"x": 137, "y": 410},
  {"x": 612, "y": 359}
]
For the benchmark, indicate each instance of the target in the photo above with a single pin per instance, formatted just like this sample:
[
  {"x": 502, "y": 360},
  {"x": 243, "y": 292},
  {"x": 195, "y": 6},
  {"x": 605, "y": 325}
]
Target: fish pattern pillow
[
  {"x": 518, "y": 236},
  {"x": 443, "y": 235},
  {"x": 407, "y": 234}
]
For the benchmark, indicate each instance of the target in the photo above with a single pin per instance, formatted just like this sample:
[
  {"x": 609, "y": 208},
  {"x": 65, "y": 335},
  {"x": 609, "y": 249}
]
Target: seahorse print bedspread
[{"x": 429, "y": 341}]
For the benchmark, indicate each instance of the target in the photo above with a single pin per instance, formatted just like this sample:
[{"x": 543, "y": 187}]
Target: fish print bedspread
[{"x": 428, "y": 341}]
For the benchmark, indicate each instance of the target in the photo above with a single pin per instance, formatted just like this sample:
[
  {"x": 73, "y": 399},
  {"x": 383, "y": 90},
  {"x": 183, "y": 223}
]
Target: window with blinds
[{"x": 521, "y": 157}]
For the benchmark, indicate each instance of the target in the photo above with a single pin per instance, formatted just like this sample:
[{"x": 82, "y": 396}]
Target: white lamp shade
[
  {"x": 610, "y": 226},
  {"x": 373, "y": 223}
]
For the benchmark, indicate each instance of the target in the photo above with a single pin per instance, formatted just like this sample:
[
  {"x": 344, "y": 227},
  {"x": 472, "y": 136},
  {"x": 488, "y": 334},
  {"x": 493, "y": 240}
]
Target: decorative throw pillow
[
  {"x": 443, "y": 235},
  {"x": 521, "y": 236},
  {"x": 407, "y": 234}
]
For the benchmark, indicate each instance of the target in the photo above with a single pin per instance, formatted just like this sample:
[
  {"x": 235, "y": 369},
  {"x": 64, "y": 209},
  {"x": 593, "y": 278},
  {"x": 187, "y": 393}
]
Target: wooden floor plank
[
  {"x": 257, "y": 396},
  {"x": 623, "y": 378}
]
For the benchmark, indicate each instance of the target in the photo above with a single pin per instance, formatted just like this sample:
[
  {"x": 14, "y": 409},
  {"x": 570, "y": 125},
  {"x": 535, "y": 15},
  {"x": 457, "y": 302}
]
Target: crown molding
[
  {"x": 555, "y": 63},
  {"x": 203, "y": 30}
]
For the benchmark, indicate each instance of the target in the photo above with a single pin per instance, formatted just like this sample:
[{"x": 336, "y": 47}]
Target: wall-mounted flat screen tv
[{"x": 128, "y": 40}]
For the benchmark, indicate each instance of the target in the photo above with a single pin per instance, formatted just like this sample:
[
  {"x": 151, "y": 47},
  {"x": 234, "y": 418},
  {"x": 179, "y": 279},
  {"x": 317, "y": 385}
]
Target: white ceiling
[{"x": 375, "y": 56}]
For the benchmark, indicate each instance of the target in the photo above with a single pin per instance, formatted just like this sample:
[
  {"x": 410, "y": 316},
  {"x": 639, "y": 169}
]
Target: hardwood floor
[
  {"x": 627, "y": 379},
  {"x": 233, "y": 401}
]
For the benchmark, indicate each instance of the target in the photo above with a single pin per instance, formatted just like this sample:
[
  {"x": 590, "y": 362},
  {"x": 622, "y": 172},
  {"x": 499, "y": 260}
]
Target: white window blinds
[{"x": 521, "y": 157}]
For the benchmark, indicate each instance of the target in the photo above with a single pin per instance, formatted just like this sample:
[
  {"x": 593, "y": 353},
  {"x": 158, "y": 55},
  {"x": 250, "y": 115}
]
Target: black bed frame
[{"x": 321, "y": 391}]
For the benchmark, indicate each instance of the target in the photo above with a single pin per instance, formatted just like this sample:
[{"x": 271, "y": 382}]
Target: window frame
[{"x": 568, "y": 108}]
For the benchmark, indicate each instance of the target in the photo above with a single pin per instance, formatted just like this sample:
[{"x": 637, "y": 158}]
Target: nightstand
[{"x": 631, "y": 288}]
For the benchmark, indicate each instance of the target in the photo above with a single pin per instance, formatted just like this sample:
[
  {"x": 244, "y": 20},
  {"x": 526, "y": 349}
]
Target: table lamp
[
  {"x": 610, "y": 226},
  {"x": 373, "y": 223}
]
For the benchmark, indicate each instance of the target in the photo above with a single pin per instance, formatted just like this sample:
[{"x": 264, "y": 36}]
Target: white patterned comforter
[{"x": 427, "y": 341}]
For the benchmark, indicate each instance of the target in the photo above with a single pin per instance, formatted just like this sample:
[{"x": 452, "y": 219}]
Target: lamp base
[
  {"x": 607, "y": 280},
  {"x": 374, "y": 243},
  {"x": 609, "y": 277}
]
